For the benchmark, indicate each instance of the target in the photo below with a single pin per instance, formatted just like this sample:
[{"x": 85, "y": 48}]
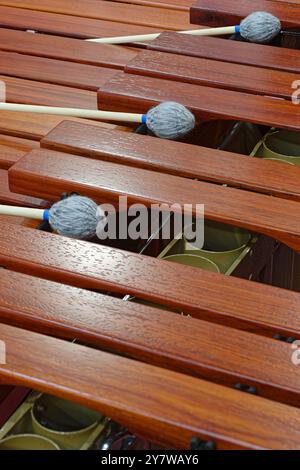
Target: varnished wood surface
[
  {"x": 35, "y": 126},
  {"x": 172, "y": 4},
  {"x": 214, "y": 48},
  {"x": 47, "y": 174},
  {"x": 161, "y": 405},
  {"x": 66, "y": 25},
  {"x": 10, "y": 198},
  {"x": 127, "y": 92},
  {"x": 23, "y": 91},
  {"x": 171, "y": 413},
  {"x": 158, "y": 337},
  {"x": 211, "y": 297},
  {"x": 178, "y": 159},
  {"x": 110, "y": 11},
  {"x": 14, "y": 148},
  {"x": 53, "y": 71},
  {"x": 212, "y": 73},
  {"x": 6, "y": 219},
  {"x": 220, "y": 13},
  {"x": 73, "y": 50}
]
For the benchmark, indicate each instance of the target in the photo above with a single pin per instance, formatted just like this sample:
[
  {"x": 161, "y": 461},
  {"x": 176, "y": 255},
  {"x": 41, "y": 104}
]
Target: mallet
[
  {"x": 259, "y": 27},
  {"x": 75, "y": 217},
  {"x": 168, "y": 120}
]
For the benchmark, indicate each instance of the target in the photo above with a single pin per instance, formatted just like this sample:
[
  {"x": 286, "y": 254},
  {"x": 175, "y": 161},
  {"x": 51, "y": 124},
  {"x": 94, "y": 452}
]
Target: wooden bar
[
  {"x": 179, "y": 159},
  {"x": 31, "y": 223},
  {"x": 56, "y": 72},
  {"x": 220, "y": 13},
  {"x": 35, "y": 126},
  {"x": 66, "y": 25},
  {"x": 47, "y": 174},
  {"x": 212, "y": 73},
  {"x": 14, "y": 148},
  {"x": 207, "y": 47},
  {"x": 164, "y": 350},
  {"x": 73, "y": 50},
  {"x": 126, "y": 92},
  {"x": 158, "y": 337},
  {"x": 198, "y": 408},
  {"x": 38, "y": 93},
  {"x": 216, "y": 298},
  {"x": 109, "y": 11},
  {"x": 10, "y": 198},
  {"x": 183, "y": 5}
]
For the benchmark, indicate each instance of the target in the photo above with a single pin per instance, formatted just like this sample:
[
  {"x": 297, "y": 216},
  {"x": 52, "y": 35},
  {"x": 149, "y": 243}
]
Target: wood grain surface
[
  {"x": 57, "y": 72},
  {"x": 35, "y": 126},
  {"x": 13, "y": 148},
  {"x": 157, "y": 404},
  {"x": 23, "y": 91},
  {"x": 183, "y": 5},
  {"x": 211, "y": 297},
  {"x": 258, "y": 81},
  {"x": 73, "y": 50},
  {"x": 178, "y": 158},
  {"x": 166, "y": 376},
  {"x": 6, "y": 219},
  {"x": 110, "y": 11},
  {"x": 134, "y": 93},
  {"x": 66, "y": 25},
  {"x": 162, "y": 338},
  {"x": 10, "y": 198},
  {"x": 209, "y": 47},
  {"x": 46, "y": 174},
  {"x": 220, "y": 13}
]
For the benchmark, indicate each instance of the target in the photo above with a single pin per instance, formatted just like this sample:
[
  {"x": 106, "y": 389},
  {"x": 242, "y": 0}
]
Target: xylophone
[{"x": 168, "y": 352}]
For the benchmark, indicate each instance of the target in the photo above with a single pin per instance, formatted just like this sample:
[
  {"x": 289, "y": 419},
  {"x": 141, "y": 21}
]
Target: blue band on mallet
[
  {"x": 238, "y": 29},
  {"x": 46, "y": 215},
  {"x": 144, "y": 119}
]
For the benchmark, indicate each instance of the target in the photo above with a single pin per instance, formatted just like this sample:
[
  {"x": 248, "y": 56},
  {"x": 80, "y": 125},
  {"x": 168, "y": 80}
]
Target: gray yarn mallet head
[
  {"x": 260, "y": 27},
  {"x": 170, "y": 120},
  {"x": 76, "y": 217}
]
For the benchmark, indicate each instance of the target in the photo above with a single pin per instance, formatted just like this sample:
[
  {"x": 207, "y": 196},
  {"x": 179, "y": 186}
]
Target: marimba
[{"x": 172, "y": 352}]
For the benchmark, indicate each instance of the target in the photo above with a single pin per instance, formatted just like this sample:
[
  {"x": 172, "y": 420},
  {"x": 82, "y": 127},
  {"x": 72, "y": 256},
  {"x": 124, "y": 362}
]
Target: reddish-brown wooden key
[
  {"x": 35, "y": 126},
  {"x": 66, "y": 49},
  {"x": 220, "y": 13},
  {"x": 13, "y": 148},
  {"x": 212, "y": 297},
  {"x": 23, "y": 91},
  {"x": 194, "y": 347},
  {"x": 109, "y": 11},
  {"x": 236, "y": 77},
  {"x": 47, "y": 174},
  {"x": 13, "y": 199},
  {"x": 134, "y": 93},
  {"x": 57, "y": 72},
  {"x": 164, "y": 406},
  {"x": 66, "y": 25},
  {"x": 180, "y": 159},
  {"x": 172, "y": 4},
  {"x": 209, "y": 47}
]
